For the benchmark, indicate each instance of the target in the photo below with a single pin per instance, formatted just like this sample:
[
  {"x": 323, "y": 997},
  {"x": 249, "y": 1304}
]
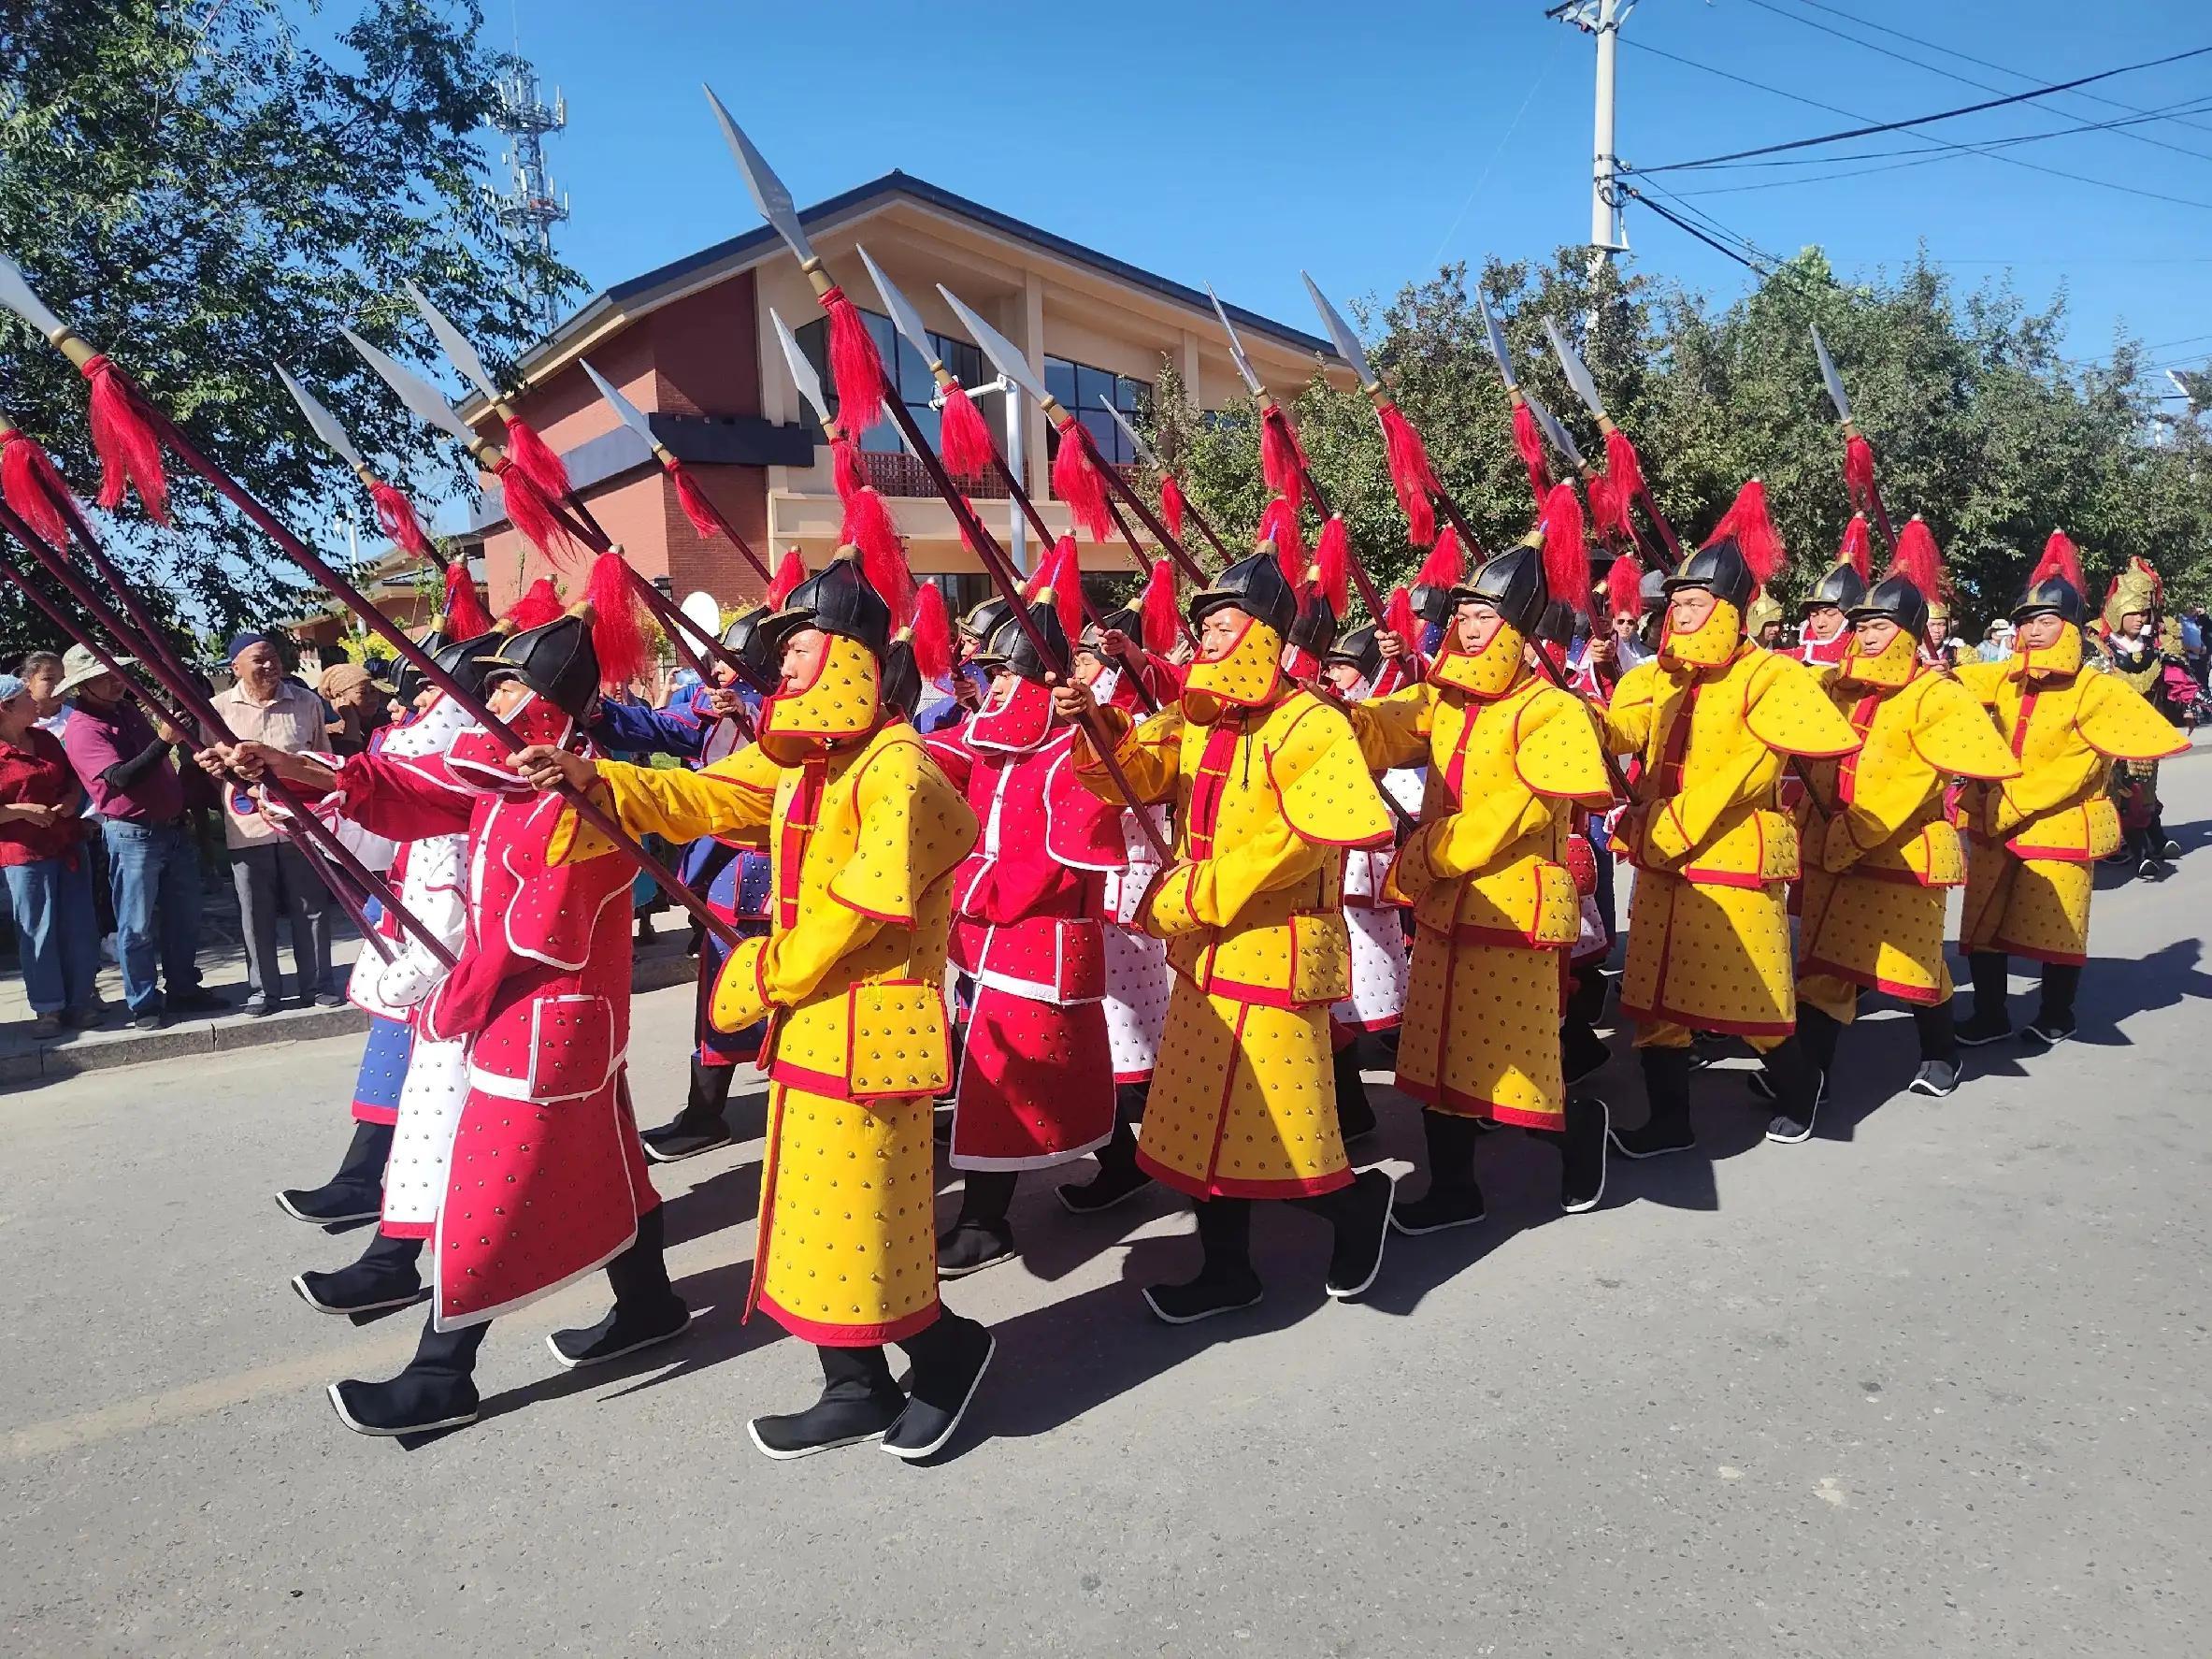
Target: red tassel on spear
[
  {"x": 1857, "y": 549},
  {"x": 1282, "y": 462},
  {"x": 1077, "y": 480},
  {"x": 1066, "y": 584},
  {"x": 1859, "y": 470},
  {"x": 1171, "y": 505},
  {"x": 868, "y": 527},
  {"x": 1565, "y": 550},
  {"x": 854, "y": 364},
  {"x": 395, "y": 517},
  {"x": 533, "y": 512},
  {"x": 930, "y": 633},
  {"x": 1529, "y": 440},
  {"x": 466, "y": 617},
  {"x": 618, "y": 636},
  {"x": 130, "y": 451},
  {"x": 1624, "y": 587},
  {"x": 1446, "y": 563},
  {"x": 1609, "y": 511},
  {"x": 689, "y": 498},
  {"x": 536, "y": 457},
  {"x": 789, "y": 575},
  {"x": 33, "y": 486},
  {"x": 1332, "y": 561},
  {"x": 1411, "y": 474},
  {"x": 1160, "y": 620},
  {"x": 1279, "y": 525},
  {"x": 964, "y": 439}
]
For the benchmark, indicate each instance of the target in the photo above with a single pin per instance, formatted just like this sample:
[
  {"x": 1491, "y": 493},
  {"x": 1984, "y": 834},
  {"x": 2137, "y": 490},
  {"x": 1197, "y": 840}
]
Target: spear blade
[
  {"x": 627, "y": 413},
  {"x": 761, "y": 182},
  {"x": 1236, "y": 347},
  {"x": 903, "y": 316},
  {"x": 1557, "y": 434},
  {"x": 15, "y": 293},
  {"x": 1577, "y": 375},
  {"x": 325, "y": 423},
  {"x": 418, "y": 395},
  {"x": 1339, "y": 331},
  {"x": 459, "y": 353},
  {"x": 1835, "y": 381},
  {"x": 802, "y": 372},
  {"x": 1144, "y": 451},
  {"x": 1498, "y": 347},
  {"x": 1005, "y": 356}
]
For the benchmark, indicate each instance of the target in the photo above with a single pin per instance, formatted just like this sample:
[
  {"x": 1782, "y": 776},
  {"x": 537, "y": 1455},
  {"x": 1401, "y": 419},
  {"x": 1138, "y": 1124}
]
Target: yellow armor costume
[
  {"x": 1708, "y": 927},
  {"x": 862, "y": 837},
  {"x": 1494, "y": 907},
  {"x": 1879, "y": 853},
  {"x": 1269, "y": 790},
  {"x": 2035, "y": 838}
]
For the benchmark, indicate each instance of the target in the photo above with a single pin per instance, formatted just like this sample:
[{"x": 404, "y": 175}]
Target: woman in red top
[{"x": 49, "y": 888}]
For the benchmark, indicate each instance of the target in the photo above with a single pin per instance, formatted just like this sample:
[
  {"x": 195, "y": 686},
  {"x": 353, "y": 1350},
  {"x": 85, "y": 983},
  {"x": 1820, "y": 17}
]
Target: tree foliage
[
  {"x": 1979, "y": 422},
  {"x": 203, "y": 192}
]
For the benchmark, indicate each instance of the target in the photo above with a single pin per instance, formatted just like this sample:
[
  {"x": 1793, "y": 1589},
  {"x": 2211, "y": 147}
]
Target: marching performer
[
  {"x": 1879, "y": 851},
  {"x": 1495, "y": 906},
  {"x": 1138, "y": 978},
  {"x": 432, "y": 878},
  {"x": 1269, "y": 789},
  {"x": 541, "y": 1179},
  {"x": 1714, "y": 719},
  {"x": 2133, "y": 652},
  {"x": 1824, "y": 625},
  {"x": 863, "y": 832},
  {"x": 1036, "y": 1085},
  {"x": 2036, "y": 837}
]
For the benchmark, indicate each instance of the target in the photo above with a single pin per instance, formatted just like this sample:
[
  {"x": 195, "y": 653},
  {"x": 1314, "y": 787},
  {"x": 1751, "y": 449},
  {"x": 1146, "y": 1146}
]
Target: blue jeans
[
  {"x": 153, "y": 873},
  {"x": 57, "y": 933}
]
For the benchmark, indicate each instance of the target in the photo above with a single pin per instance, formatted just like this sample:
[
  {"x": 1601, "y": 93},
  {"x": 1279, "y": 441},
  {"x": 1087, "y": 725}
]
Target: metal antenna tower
[{"x": 530, "y": 209}]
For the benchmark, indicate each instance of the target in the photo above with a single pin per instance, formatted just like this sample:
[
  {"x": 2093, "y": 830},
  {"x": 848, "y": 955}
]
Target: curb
[{"x": 100, "y": 1051}]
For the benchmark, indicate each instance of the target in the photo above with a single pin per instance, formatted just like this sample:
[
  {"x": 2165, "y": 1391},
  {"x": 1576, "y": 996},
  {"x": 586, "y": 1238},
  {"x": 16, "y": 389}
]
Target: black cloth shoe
[
  {"x": 356, "y": 1192},
  {"x": 1582, "y": 1154},
  {"x": 2054, "y": 1019},
  {"x": 1361, "y": 1215},
  {"x": 1439, "y": 1208},
  {"x": 2048, "y": 1032},
  {"x": 950, "y": 1357},
  {"x": 972, "y": 1246},
  {"x": 1211, "y": 1292},
  {"x": 1988, "y": 1022},
  {"x": 1355, "y": 1112},
  {"x": 646, "y": 1307},
  {"x": 1939, "y": 1037},
  {"x": 1582, "y": 1051},
  {"x": 1666, "y": 1088},
  {"x": 1937, "y": 1077},
  {"x": 1118, "y": 1179},
  {"x": 437, "y": 1390},
  {"x": 700, "y": 1127},
  {"x": 860, "y": 1401},
  {"x": 1799, "y": 1087},
  {"x": 385, "y": 1275},
  {"x": 1453, "y": 1198}
]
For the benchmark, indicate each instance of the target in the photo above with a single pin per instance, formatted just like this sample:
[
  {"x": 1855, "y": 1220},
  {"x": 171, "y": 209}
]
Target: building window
[
  {"x": 916, "y": 386},
  {"x": 1081, "y": 388}
]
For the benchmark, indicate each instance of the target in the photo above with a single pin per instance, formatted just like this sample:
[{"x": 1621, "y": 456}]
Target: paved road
[{"x": 1932, "y": 1384}]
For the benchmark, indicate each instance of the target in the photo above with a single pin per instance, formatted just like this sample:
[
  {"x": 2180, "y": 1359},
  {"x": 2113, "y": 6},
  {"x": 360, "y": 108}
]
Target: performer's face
[
  {"x": 1220, "y": 632},
  {"x": 2133, "y": 622},
  {"x": 1768, "y": 634},
  {"x": 1874, "y": 634},
  {"x": 1344, "y": 676},
  {"x": 1003, "y": 680},
  {"x": 1478, "y": 625},
  {"x": 425, "y": 697},
  {"x": 1087, "y": 666},
  {"x": 507, "y": 697},
  {"x": 803, "y": 655},
  {"x": 2040, "y": 633},
  {"x": 1823, "y": 622},
  {"x": 1688, "y": 608}
]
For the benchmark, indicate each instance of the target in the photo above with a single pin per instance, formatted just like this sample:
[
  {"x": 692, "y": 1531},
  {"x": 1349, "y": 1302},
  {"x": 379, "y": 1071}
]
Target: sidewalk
[{"x": 27, "y": 1060}]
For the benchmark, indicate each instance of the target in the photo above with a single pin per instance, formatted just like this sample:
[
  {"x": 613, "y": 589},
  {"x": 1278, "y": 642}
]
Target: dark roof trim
[{"x": 754, "y": 243}]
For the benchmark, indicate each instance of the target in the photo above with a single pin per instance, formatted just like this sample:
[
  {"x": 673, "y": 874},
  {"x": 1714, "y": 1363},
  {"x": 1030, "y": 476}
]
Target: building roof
[{"x": 643, "y": 293}]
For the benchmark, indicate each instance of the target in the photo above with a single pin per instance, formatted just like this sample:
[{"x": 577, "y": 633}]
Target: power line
[
  {"x": 1919, "y": 121},
  {"x": 1979, "y": 146},
  {"x": 1952, "y": 51},
  {"x": 1804, "y": 21}
]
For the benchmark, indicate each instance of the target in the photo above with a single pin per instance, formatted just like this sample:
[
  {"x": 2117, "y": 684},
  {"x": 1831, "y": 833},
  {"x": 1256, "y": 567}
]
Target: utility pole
[{"x": 1602, "y": 18}]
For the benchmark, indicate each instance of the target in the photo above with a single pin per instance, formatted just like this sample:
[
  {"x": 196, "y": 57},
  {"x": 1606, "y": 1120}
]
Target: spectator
[
  {"x": 271, "y": 874},
  {"x": 356, "y": 698},
  {"x": 1996, "y": 641},
  {"x": 42, "y": 672},
  {"x": 48, "y": 888},
  {"x": 130, "y": 771},
  {"x": 2196, "y": 641}
]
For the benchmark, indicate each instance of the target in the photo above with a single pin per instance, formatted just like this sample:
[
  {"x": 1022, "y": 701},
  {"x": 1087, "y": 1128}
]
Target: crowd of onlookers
[{"x": 106, "y": 823}]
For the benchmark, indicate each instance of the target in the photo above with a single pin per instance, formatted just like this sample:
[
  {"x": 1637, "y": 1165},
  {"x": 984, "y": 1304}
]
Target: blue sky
[{"x": 1233, "y": 141}]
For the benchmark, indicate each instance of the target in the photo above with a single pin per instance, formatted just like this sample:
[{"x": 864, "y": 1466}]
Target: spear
[
  {"x": 526, "y": 495},
  {"x": 1168, "y": 478},
  {"x": 909, "y": 323},
  {"x": 15, "y": 294},
  {"x": 1080, "y": 474},
  {"x": 1621, "y": 460},
  {"x": 300, "y": 824},
  {"x": 1858, "y": 454},
  {"x": 395, "y": 514}
]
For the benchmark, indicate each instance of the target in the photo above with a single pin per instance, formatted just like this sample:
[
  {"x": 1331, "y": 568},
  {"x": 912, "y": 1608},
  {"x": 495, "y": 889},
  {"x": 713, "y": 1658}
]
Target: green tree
[{"x": 204, "y": 191}]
